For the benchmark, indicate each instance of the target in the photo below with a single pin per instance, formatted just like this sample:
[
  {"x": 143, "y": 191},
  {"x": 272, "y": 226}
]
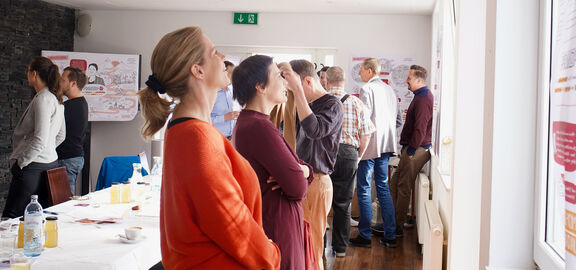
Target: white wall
[
  {"x": 515, "y": 91},
  {"x": 139, "y": 31},
  {"x": 494, "y": 145},
  {"x": 464, "y": 239}
]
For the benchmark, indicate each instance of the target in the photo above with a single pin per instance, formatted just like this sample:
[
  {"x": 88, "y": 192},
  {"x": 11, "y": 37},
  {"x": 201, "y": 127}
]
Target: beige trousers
[{"x": 316, "y": 206}]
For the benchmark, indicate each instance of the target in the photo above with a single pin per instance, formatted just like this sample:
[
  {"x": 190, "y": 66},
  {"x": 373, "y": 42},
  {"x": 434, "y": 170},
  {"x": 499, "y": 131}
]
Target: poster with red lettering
[
  {"x": 562, "y": 132},
  {"x": 113, "y": 81}
]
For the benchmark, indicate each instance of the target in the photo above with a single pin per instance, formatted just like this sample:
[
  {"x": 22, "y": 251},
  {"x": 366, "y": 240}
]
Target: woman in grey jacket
[{"x": 40, "y": 129}]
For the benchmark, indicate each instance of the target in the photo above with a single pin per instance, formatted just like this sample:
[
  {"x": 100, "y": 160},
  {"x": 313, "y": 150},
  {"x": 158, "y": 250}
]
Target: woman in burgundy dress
[{"x": 284, "y": 178}]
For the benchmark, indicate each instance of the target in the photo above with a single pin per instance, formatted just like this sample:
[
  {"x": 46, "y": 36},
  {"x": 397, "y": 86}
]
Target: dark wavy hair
[{"x": 250, "y": 73}]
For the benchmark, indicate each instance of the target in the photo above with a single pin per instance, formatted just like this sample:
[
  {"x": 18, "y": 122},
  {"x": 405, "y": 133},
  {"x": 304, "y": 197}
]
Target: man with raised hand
[{"x": 318, "y": 128}]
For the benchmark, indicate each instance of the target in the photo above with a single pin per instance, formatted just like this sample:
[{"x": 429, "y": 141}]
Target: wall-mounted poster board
[{"x": 113, "y": 82}]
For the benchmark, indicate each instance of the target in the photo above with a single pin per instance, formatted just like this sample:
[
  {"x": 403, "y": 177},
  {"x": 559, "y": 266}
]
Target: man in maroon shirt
[{"x": 416, "y": 140}]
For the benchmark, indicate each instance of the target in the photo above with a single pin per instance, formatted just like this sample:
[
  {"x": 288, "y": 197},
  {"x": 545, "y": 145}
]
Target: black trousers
[
  {"x": 26, "y": 182},
  {"x": 343, "y": 181}
]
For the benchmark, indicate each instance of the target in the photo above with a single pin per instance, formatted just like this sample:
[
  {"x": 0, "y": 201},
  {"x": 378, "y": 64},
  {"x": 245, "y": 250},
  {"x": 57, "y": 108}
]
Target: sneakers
[
  {"x": 399, "y": 233},
  {"x": 389, "y": 243},
  {"x": 339, "y": 254},
  {"x": 377, "y": 230},
  {"x": 410, "y": 221},
  {"x": 361, "y": 242},
  {"x": 353, "y": 223}
]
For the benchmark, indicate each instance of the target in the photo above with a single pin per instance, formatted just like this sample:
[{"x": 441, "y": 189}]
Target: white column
[{"x": 464, "y": 240}]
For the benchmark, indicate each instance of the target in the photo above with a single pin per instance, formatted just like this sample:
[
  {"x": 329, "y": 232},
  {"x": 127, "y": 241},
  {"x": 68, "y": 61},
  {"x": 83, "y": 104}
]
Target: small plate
[
  {"x": 125, "y": 240},
  {"x": 80, "y": 198}
]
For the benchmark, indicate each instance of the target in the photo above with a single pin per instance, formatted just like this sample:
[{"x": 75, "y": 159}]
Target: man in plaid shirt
[{"x": 356, "y": 131}]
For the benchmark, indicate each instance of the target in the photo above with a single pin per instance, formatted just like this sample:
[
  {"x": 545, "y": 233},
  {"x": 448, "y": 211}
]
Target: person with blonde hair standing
[
  {"x": 210, "y": 204},
  {"x": 381, "y": 105},
  {"x": 40, "y": 130}
]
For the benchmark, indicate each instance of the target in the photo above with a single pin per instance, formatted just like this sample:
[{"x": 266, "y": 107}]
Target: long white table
[{"x": 97, "y": 246}]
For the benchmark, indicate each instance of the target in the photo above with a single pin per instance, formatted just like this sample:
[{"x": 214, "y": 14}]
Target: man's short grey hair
[
  {"x": 372, "y": 64},
  {"x": 335, "y": 74}
]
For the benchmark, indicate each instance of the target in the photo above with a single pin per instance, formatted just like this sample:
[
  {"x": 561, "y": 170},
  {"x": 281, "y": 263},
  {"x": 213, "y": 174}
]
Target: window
[
  {"x": 549, "y": 242},
  {"x": 319, "y": 56},
  {"x": 442, "y": 83}
]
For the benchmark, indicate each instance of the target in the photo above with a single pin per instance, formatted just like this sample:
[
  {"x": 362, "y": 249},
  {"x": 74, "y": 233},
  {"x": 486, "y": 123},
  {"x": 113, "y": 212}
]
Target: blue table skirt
[{"x": 116, "y": 169}]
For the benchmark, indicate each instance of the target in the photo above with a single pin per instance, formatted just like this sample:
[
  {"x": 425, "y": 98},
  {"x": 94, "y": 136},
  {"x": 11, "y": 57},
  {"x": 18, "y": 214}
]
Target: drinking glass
[
  {"x": 19, "y": 262},
  {"x": 7, "y": 244}
]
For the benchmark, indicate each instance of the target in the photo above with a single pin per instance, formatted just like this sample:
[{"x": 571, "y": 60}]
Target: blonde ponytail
[
  {"x": 171, "y": 60},
  {"x": 155, "y": 111}
]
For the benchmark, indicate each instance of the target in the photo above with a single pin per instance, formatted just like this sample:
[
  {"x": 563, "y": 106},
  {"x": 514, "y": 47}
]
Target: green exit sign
[{"x": 245, "y": 18}]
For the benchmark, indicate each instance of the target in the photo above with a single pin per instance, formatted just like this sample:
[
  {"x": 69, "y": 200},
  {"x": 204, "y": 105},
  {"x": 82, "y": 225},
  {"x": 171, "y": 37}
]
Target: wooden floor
[{"x": 407, "y": 256}]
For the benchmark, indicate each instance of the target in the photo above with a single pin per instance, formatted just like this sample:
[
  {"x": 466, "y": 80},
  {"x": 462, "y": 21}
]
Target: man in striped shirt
[{"x": 356, "y": 131}]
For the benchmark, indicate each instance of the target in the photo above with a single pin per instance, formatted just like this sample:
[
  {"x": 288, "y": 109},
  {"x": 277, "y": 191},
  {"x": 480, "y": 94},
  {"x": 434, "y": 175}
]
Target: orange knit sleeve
[{"x": 226, "y": 199}]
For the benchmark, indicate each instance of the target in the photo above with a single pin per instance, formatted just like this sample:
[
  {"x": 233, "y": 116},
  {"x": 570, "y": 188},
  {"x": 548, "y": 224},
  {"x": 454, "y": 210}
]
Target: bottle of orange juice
[
  {"x": 21, "y": 233},
  {"x": 51, "y": 232},
  {"x": 115, "y": 193},
  {"x": 126, "y": 192}
]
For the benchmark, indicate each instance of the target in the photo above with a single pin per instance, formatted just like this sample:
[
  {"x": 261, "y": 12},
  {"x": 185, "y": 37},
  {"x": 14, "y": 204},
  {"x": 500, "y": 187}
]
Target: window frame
[{"x": 544, "y": 255}]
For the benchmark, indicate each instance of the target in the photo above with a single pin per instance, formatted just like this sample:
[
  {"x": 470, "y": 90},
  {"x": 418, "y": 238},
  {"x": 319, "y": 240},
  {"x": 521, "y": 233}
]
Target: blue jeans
[
  {"x": 364, "y": 192},
  {"x": 73, "y": 168}
]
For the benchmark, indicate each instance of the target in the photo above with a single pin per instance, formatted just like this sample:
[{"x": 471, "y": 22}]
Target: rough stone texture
[{"x": 26, "y": 28}]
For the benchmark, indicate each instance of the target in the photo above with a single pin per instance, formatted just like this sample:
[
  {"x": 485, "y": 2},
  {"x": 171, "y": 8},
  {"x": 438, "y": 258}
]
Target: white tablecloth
[{"x": 97, "y": 246}]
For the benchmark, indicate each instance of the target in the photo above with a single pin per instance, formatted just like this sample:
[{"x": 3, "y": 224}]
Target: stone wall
[{"x": 26, "y": 28}]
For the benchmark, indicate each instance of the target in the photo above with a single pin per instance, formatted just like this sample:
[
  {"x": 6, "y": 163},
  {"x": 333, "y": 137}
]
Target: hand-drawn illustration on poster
[{"x": 113, "y": 82}]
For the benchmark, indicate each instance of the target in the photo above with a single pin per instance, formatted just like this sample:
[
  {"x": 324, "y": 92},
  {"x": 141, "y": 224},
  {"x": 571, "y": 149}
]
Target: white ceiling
[{"x": 299, "y": 6}]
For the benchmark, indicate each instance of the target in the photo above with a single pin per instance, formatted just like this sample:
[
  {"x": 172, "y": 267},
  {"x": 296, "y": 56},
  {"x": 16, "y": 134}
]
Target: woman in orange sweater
[{"x": 210, "y": 206}]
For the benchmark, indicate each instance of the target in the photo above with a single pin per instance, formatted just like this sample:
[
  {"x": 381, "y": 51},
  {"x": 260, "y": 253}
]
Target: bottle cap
[
  {"x": 21, "y": 218},
  {"x": 34, "y": 197},
  {"x": 115, "y": 183},
  {"x": 140, "y": 183},
  {"x": 51, "y": 218}
]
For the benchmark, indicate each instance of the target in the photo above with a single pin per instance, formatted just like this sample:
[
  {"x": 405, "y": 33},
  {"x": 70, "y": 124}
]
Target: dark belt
[{"x": 349, "y": 146}]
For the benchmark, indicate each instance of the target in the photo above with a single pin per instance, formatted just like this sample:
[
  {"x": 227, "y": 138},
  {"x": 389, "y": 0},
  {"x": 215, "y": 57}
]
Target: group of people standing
[
  {"x": 49, "y": 134},
  {"x": 258, "y": 197}
]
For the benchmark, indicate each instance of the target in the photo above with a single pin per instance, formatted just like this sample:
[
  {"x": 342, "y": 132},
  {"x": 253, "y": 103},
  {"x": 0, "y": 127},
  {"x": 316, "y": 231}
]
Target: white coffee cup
[{"x": 133, "y": 232}]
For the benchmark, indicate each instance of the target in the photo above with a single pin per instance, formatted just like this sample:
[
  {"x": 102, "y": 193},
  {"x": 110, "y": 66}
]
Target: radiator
[
  {"x": 422, "y": 195},
  {"x": 433, "y": 240}
]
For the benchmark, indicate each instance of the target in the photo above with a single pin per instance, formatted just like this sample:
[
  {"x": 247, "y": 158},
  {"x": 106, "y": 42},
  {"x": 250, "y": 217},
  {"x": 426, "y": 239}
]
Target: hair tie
[{"x": 155, "y": 84}]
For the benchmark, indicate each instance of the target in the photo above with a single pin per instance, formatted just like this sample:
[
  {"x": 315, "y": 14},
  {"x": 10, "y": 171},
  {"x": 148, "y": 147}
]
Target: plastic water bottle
[
  {"x": 33, "y": 235},
  {"x": 157, "y": 166},
  {"x": 136, "y": 173},
  {"x": 156, "y": 173}
]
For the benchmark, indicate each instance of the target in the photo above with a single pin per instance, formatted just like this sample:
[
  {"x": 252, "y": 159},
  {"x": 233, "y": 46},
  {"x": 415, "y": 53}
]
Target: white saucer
[{"x": 125, "y": 240}]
